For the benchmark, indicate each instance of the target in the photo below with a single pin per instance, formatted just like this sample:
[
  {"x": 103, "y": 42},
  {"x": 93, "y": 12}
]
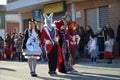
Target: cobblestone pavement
[{"x": 13, "y": 70}]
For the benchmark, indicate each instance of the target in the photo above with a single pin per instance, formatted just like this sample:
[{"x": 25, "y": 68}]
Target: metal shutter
[
  {"x": 91, "y": 16},
  {"x": 103, "y": 16},
  {"x": 2, "y": 20}
]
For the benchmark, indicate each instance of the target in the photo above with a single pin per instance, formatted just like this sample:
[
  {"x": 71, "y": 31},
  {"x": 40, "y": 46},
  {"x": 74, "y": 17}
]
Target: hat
[{"x": 58, "y": 24}]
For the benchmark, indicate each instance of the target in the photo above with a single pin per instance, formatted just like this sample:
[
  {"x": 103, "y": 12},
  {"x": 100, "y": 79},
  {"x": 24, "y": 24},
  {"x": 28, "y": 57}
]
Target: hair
[
  {"x": 36, "y": 27},
  {"x": 109, "y": 35},
  {"x": 82, "y": 29},
  {"x": 90, "y": 29},
  {"x": 92, "y": 35}
]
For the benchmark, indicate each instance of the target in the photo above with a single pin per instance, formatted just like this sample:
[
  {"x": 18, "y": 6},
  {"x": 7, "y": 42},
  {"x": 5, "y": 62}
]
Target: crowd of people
[
  {"x": 11, "y": 46},
  {"x": 60, "y": 42}
]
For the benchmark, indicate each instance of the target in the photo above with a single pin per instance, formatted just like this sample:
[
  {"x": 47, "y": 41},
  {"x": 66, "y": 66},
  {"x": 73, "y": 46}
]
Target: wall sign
[
  {"x": 55, "y": 7},
  {"x": 36, "y": 15},
  {"x": 78, "y": 14}
]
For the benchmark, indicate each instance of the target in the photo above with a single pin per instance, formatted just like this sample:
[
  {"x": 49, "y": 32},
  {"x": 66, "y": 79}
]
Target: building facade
[
  {"x": 96, "y": 13},
  {"x": 2, "y": 21}
]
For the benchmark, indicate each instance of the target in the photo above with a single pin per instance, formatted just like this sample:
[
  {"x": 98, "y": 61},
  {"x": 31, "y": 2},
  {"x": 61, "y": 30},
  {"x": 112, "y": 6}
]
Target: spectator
[
  {"x": 18, "y": 45},
  {"x": 109, "y": 48},
  {"x": 8, "y": 49},
  {"x": 92, "y": 47},
  {"x": 118, "y": 39},
  {"x": 109, "y": 30},
  {"x": 100, "y": 42},
  {"x": 88, "y": 32},
  {"x": 1, "y": 48},
  {"x": 81, "y": 42}
]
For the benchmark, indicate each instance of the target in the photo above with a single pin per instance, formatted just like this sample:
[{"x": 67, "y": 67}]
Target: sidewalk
[
  {"x": 14, "y": 70},
  {"x": 116, "y": 61}
]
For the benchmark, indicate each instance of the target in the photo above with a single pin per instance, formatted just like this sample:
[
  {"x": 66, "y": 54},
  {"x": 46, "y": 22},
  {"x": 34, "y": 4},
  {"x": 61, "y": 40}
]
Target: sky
[{"x": 3, "y": 2}]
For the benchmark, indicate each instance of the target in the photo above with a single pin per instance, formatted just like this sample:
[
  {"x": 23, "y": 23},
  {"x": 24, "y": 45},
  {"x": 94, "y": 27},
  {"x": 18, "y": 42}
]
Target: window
[
  {"x": 2, "y": 20},
  {"x": 97, "y": 17}
]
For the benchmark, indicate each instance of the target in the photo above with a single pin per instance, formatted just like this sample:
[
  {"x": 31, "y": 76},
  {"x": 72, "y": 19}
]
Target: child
[
  {"x": 109, "y": 48},
  {"x": 92, "y": 46}
]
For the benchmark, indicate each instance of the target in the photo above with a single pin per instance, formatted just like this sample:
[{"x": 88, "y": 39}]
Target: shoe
[
  {"x": 52, "y": 73},
  {"x": 33, "y": 74},
  {"x": 109, "y": 63},
  {"x": 55, "y": 73},
  {"x": 94, "y": 62},
  {"x": 73, "y": 70}
]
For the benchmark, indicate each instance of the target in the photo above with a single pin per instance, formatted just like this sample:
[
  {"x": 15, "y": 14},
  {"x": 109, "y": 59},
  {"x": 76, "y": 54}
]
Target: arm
[
  {"x": 110, "y": 43},
  {"x": 25, "y": 39}
]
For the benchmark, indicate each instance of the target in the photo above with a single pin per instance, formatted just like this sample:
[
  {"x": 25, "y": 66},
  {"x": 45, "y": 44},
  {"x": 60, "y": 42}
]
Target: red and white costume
[{"x": 50, "y": 37}]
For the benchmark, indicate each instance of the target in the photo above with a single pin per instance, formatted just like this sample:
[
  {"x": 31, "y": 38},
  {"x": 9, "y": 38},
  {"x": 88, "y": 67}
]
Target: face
[
  {"x": 87, "y": 28},
  {"x": 108, "y": 36},
  {"x": 107, "y": 26},
  {"x": 90, "y": 37},
  {"x": 80, "y": 30},
  {"x": 48, "y": 23},
  {"x": 32, "y": 25}
]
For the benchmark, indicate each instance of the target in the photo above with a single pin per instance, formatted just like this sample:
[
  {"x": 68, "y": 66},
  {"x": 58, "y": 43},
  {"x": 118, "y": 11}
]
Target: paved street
[{"x": 11, "y": 70}]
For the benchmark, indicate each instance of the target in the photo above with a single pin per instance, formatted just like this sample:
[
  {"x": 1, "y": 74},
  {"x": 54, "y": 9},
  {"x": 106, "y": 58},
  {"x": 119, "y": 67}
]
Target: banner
[
  {"x": 55, "y": 7},
  {"x": 36, "y": 15}
]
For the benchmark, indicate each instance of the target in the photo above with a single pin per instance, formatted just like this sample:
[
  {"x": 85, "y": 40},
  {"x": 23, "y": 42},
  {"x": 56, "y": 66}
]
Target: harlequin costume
[{"x": 64, "y": 65}]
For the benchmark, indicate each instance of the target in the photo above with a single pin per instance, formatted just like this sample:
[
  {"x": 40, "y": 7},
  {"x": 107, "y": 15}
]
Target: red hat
[{"x": 58, "y": 24}]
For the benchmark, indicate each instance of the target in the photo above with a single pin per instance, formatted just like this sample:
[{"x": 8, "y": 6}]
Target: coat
[
  {"x": 73, "y": 38},
  {"x": 45, "y": 38},
  {"x": 49, "y": 43}
]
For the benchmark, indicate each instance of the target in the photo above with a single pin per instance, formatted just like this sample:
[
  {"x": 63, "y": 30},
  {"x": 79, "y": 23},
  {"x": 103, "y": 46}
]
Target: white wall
[
  {"x": 12, "y": 17},
  {"x": 23, "y": 3}
]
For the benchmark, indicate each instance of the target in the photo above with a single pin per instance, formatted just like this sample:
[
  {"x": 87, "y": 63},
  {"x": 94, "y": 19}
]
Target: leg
[
  {"x": 110, "y": 61},
  {"x": 119, "y": 49},
  {"x": 52, "y": 62},
  {"x": 34, "y": 64},
  {"x": 34, "y": 67},
  {"x": 92, "y": 59},
  {"x": 73, "y": 53},
  {"x": 95, "y": 59},
  {"x": 30, "y": 64}
]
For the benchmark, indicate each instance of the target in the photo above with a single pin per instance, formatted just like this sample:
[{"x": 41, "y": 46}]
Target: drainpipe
[
  {"x": 73, "y": 11},
  {"x": 20, "y": 23}
]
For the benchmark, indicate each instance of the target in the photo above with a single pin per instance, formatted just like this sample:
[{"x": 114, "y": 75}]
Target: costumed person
[
  {"x": 73, "y": 39},
  {"x": 50, "y": 37},
  {"x": 61, "y": 25},
  {"x": 31, "y": 48},
  {"x": 109, "y": 48}
]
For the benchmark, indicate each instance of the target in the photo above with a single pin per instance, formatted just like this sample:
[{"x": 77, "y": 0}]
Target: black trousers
[{"x": 52, "y": 59}]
